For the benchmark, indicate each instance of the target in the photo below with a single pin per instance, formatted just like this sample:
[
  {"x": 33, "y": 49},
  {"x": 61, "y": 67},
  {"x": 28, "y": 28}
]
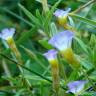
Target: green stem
[
  {"x": 29, "y": 70},
  {"x": 45, "y": 6},
  {"x": 7, "y": 72},
  {"x": 55, "y": 77},
  {"x": 13, "y": 47},
  {"x": 84, "y": 6},
  {"x": 18, "y": 56}
]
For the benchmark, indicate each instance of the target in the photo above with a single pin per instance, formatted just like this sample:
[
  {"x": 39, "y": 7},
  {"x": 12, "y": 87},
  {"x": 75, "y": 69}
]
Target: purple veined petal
[
  {"x": 62, "y": 40},
  {"x": 6, "y": 33},
  {"x": 76, "y": 86},
  {"x": 51, "y": 54},
  {"x": 61, "y": 13}
]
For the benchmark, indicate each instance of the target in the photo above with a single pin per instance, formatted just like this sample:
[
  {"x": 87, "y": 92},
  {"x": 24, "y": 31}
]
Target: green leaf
[
  {"x": 93, "y": 76},
  {"x": 85, "y": 20},
  {"x": 86, "y": 64},
  {"x": 18, "y": 93},
  {"x": 73, "y": 76},
  {"x": 88, "y": 94},
  {"x": 84, "y": 13},
  {"x": 39, "y": 16},
  {"x": 72, "y": 23},
  {"x": 34, "y": 56},
  {"x": 45, "y": 44},
  {"x": 25, "y": 36},
  {"x": 82, "y": 45},
  {"x": 17, "y": 16},
  {"x": 53, "y": 29},
  {"x": 30, "y": 15},
  {"x": 50, "y": 14}
]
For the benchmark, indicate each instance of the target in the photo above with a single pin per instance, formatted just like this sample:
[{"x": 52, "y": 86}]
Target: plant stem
[
  {"x": 85, "y": 5},
  {"x": 55, "y": 76},
  {"x": 14, "y": 49},
  {"x": 45, "y": 6},
  {"x": 7, "y": 72},
  {"x": 64, "y": 88},
  {"x": 18, "y": 56}
]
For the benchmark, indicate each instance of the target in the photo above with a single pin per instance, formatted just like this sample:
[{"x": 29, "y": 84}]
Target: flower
[
  {"x": 62, "y": 40},
  {"x": 76, "y": 86},
  {"x": 7, "y": 33},
  {"x": 61, "y": 13},
  {"x": 51, "y": 54},
  {"x": 62, "y": 17}
]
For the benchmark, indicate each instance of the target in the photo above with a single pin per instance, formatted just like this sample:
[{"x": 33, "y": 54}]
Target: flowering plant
[{"x": 53, "y": 52}]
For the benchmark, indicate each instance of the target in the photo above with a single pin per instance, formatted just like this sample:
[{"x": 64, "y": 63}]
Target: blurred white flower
[
  {"x": 76, "y": 86},
  {"x": 62, "y": 40},
  {"x": 61, "y": 13},
  {"x": 51, "y": 54},
  {"x": 7, "y": 33}
]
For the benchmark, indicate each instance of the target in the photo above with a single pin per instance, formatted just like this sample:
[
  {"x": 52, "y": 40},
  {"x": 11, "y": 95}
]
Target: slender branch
[
  {"x": 45, "y": 5},
  {"x": 84, "y": 6},
  {"x": 82, "y": 76},
  {"x": 25, "y": 67},
  {"x": 15, "y": 62},
  {"x": 7, "y": 72}
]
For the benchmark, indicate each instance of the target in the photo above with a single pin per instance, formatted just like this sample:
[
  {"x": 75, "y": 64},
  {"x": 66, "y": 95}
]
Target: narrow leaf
[{"x": 85, "y": 20}]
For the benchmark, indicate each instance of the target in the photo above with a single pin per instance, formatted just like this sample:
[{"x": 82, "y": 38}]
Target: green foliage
[{"x": 34, "y": 28}]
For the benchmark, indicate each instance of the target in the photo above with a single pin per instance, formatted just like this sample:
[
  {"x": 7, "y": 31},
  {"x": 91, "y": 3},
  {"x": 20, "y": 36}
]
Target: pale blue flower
[
  {"x": 7, "y": 33},
  {"x": 76, "y": 86},
  {"x": 62, "y": 40},
  {"x": 61, "y": 13},
  {"x": 51, "y": 54}
]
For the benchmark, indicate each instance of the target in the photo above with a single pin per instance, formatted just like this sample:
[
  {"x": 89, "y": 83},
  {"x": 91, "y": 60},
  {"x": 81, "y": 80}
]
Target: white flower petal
[
  {"x": 51, "y": 54},
  {"x": 62, "y": 40},
  {"x": 6, "y": 33},
  {"x": 61, "y": 13},
  {"x": 76, "y": 86}
]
